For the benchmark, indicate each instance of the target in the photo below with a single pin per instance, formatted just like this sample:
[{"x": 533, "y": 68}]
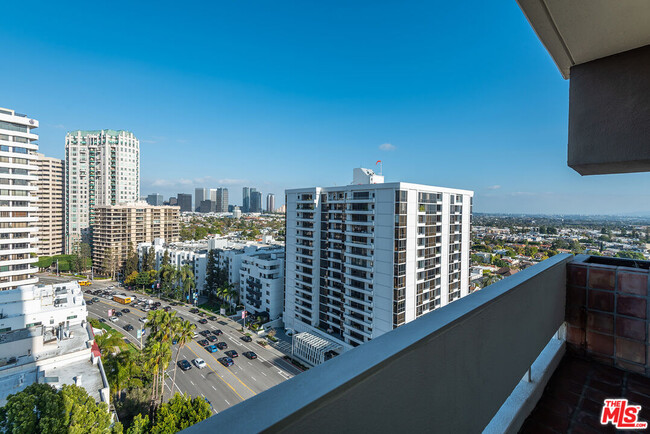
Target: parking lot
[{"x": 222, "y": 386}]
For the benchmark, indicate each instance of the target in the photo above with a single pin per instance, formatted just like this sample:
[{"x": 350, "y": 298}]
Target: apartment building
[
  {"x": 44, "y": 338},
  {"x": 51, "y": 203},
  {"x": 261, "y": 282},
  {"x": 18, "y": 212},
  {"x": 117, "y": 227},
  {"x": 221, "y": 200},
  {"x": 256, "y": 201},
  {"x": 102, "y": 168},
  {"x": 366, "y": 258}
]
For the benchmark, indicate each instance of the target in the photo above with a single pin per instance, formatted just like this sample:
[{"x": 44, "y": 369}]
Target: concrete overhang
[
  {"x": 579, "y": 31},
  {"x": 603, "y": 46}
]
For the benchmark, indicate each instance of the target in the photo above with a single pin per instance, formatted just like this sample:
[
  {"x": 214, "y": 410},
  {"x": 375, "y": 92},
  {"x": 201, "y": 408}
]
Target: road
[{"x": 222, "y": 386}]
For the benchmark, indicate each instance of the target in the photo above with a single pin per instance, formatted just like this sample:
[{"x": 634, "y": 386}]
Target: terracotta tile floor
[{"x": 573, "y": 399}]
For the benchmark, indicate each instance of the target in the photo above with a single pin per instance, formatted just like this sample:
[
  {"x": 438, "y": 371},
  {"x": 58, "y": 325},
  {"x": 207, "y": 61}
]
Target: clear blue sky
[{"x": 292, "y": 94}]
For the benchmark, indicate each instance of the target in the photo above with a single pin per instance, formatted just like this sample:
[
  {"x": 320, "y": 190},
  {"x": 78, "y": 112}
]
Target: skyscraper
[
  {"x": 222, "y": 200},
  {"x": 184, "y": 201},
  {"x": 155, "y": 199},
  {"x": 17, "y": 196},
  {"x": 200, "y": 194},
  {"x": 270, "y": 203},
  {"x": 366, "y": 258},
  {"x": 246, "y": 199},
  {"x": 102, "y": 168},
  {"x": 256, "y": 201},
  {"x": 50, "y": 203}
]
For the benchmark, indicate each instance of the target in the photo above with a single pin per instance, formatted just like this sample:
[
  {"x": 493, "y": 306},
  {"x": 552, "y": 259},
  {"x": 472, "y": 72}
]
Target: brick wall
[{"x": 607, "y": 312}]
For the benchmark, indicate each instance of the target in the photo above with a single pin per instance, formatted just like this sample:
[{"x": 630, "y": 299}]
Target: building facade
[
  {"x": 118, "y": 227},
  {"x": 270, "y": 203},
  {"x": 51, "y": 204},
  {"x": 246, "y": 199},
  {"x": 200, "y": 194},
  {"x": 207, "y": 206},
  {"x": 222, "y": 200},
  {"x": 256, "y": 201},
  {"x": 366, "y": 258},
  {"x": 155, "y": 199},
  {"x": 44, "y": 338},
  {"x": 184, "y": 201},
  {"x": 18, "y": 212},
  {"x": 261, "y": 282},
  {"x": 102, "y": 168}
]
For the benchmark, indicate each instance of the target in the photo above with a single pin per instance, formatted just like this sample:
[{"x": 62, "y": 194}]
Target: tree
[
  {"x": 630, "y": 255},
  {"x": 165, "y": 259},
  {"x": 187, "y": 281},
  {"x": 131, "y": 261},
  {"x": 110, "y": 342},
  {"x": 37, "y": 409},
  {"x": 149, "y": 260},
  {"x": 84, "y": 256},
  {"x": 82, "y": 414},
  {"x": 123, "y": 372},
  {"x": 131, "y": 278},
  {"x": 183, "y": 333},
  {"x": 140, "y": 425},
  {"x": 179, "y": 413},
  {"x": 109, "y": 262},
  {"x": 211, "y": 273},
  {"x": 158, "y": 349},
  {"x": 168, "y": 275}
]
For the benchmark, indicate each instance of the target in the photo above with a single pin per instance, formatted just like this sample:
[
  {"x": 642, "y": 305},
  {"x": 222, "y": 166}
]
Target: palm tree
[
  {"x": 183, "y": 333},
  {"x": 123, "y": 372},
  {"x": 157, "y": 357},
  {"x": 160, "y": 325},
  {"x": 187, "y": 279},
  {"x": 110, "y": 342}
]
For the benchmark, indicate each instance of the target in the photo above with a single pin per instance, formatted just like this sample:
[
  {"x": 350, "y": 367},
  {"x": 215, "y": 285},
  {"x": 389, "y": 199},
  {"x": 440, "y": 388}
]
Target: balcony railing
[{"x": 448, "y": 371}]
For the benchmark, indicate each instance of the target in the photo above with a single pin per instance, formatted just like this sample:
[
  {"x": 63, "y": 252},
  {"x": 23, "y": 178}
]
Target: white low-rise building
[
  {"x": 261, "y": 282},
  {"x": 44, "y": 337}
]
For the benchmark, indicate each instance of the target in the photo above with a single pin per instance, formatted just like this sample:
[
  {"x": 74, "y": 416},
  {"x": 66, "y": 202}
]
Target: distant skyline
[{"x": 295, "y": 94}]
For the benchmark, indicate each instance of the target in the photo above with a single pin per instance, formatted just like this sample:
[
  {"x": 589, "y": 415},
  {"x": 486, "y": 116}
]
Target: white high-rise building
[
  {"x": 18, "y": 217},
  {"x": 366, "y": 258},
  {"x": 270, "y": 203},
  {"x": 102, "y": 168}
]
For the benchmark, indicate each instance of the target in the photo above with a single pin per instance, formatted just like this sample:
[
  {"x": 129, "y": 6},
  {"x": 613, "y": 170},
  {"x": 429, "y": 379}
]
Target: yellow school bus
[{"x": 123, "y": 300}]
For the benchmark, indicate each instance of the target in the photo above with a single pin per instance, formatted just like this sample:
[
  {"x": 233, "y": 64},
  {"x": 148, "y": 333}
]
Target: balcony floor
[{"x": 573, "y": 399}]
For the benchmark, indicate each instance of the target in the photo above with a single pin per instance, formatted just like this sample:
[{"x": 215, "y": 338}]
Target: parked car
[
  {"x": 203, "y": 342},
  {"x": 250, "y": 355},
  {"x": 126, "y": 310},
  {"x": 167, "y": 308},
  {"x": 194, "y": 310},
  {"x": 247, "y": 339},
  {"x": 222, "y": 345},
  {"x": 184, "y": 365},
  {"x": 212, "y": 318},
  {"x": 232, "y": 354},
  {"x": 205, "y": 333},
  {"x": 102, "y": 320},
  {"x": 217, "y": 332},
  {"x": 212, "y": 338},
  {"x": 203, "y": 321},
  {"x": 226, "y": 361},
  {"x": 199, "y": 363},
  {"x": 128, "y": 327},
  {"x": 201, "y": 314},
  {"x": 211, "y": 348},
  {"x": 143, "y": 319}
]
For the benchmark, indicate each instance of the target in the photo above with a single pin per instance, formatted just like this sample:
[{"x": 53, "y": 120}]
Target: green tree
[
  {"x": 149, "y": 260},
  {"x": 211, "y": 273},
  {"x": 630, "y": 255},
  {"x": 82, "y": 414},
  {"x": 110, "y": 342},
  {"x": 183, "y": 333},
  {"x": 131, "y": 261},
  {"x": 123, "y": 372},
  {"x": 179, "y": 413},
  {"x": 37, "y": 409},
  {"x": 187, "y": 280},
  {"x": 131, "y": 279},
  {"x": 140, "y": 425},
  {"x": 165, "y": 259}
]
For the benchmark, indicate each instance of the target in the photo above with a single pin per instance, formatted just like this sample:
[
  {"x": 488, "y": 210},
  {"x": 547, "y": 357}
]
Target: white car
[
  {"x": 199, "y": 363},
  {"x": 143, "y": 319},
  {"x": 113, "y": 318}
]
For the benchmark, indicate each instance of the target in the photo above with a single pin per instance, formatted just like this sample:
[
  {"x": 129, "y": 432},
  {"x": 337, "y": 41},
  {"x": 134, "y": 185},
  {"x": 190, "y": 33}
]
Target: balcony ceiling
[{"x": 578, "y": 31}]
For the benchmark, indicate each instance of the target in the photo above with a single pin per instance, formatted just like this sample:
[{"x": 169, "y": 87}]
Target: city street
[{"x": 222, "y": 386}]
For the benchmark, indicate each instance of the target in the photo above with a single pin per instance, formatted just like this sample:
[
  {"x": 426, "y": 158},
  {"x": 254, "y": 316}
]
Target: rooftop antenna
[{"x": 381, "y": 167}]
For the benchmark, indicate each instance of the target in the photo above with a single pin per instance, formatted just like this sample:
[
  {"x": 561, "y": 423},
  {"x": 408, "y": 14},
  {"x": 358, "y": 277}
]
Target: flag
[{"x": 378, "y": 161}]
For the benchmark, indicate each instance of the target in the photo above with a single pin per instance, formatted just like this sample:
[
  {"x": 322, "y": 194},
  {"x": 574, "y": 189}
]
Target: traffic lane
[
  {"x": 100, "y": 310},
  {"x": 211, "y": 382}
]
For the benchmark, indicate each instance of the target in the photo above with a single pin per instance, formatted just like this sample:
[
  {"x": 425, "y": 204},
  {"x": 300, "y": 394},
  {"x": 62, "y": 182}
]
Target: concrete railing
[{"x": 449, "y": 371}]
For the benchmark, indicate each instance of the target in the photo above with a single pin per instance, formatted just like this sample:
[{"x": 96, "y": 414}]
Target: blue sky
[{"x": 282, "y": 95}]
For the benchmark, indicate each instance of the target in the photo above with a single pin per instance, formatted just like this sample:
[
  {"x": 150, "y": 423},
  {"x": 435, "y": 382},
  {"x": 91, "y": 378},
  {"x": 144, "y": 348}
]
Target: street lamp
[{"x": 293, "y": 332}]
